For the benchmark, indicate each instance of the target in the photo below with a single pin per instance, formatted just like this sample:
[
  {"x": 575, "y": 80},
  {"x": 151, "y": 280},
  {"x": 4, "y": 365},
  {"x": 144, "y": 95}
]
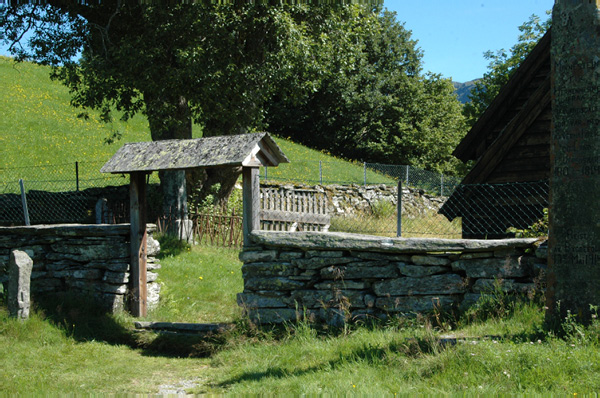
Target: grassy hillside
[{"x": 39, "y": 128}]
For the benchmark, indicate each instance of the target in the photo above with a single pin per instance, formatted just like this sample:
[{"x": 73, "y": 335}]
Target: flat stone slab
[
  {"x": 408, "y": 286},
  {"x": 492, "y": 268},
  {"x": 347, "y": 241},
  {"x": 195, "y": 328},
  {"x": 72, "y": 230},
  {"x": 229, "y": 150}
]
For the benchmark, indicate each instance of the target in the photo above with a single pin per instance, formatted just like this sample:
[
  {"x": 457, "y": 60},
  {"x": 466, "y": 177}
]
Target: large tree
[
  {"x": 215, "y": 65},
  {"x": 369, "y": 99}
]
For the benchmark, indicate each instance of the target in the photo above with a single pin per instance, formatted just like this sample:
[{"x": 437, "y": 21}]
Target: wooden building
[{"x": 510, "y": 145}]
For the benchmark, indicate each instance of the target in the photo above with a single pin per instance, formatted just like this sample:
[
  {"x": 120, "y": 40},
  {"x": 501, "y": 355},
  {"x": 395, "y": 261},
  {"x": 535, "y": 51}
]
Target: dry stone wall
[
  {"x": 350, "y": 199},
  {"x": 337, "y": 277},
  {"x": 87, "y": 259}
]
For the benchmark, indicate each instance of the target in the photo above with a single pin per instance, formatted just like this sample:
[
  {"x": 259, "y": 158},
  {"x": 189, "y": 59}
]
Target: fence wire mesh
[
  {"x": 59, "y": 193},
  {"x": 433, "y": 205},
  {"x": 487, "y": 211},
  {"x": 324, "y": 173},
  {"x": 481, "y": 211}
]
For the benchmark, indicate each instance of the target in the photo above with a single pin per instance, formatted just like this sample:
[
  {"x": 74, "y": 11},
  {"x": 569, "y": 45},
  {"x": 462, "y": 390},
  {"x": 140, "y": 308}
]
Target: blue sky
[{"x": 454, "y": 34}]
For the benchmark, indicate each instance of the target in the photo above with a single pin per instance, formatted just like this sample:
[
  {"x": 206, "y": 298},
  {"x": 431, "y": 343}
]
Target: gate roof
[{"x": 250, "y": 150}]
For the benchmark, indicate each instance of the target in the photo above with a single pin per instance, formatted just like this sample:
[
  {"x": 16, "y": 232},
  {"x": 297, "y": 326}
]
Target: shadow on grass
[
  {"x": 171, "y": 246},
  {"x": 379, "y": 355},
  {"x": 371, "y": 355},
  {"x": 83, "y": 320}
]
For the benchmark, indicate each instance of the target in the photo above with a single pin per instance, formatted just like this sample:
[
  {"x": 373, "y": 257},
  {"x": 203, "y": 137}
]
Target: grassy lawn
[{"x": 501, "y": 349}]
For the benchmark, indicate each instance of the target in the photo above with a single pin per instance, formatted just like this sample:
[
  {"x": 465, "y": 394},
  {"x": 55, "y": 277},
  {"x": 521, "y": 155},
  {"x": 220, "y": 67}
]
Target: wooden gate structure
[{"x": 246, "y": 151}]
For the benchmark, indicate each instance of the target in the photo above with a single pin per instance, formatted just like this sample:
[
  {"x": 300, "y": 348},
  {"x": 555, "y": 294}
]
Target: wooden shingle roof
[{"x": 252, "y": 150}]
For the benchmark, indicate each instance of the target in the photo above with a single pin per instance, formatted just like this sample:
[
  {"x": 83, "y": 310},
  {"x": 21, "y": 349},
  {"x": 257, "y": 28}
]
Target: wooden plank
[
  {"x": 250, "y": 201},
  {"x": 519, "y": 176},
  {"x": 535, "y": 137},
  {"x": 525, "y": 164},
  {"x": 510, "y": 135},
  {"x": 529, "y": 152},
  {"x": 138, "y": 239}
]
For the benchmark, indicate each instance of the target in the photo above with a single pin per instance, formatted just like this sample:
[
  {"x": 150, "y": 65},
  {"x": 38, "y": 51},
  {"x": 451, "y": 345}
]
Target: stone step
[{"x": 187, "y": 328}]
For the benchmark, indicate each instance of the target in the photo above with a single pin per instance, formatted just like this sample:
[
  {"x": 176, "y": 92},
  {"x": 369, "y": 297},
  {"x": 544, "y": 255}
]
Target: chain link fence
[
  {"x": 58, "y": 193},
  {"x": 324, "y": 173},
  {"x": 487, "y": 211},
  {"x": 478, "y": 211},
  {"x": 433, "y": 205}
]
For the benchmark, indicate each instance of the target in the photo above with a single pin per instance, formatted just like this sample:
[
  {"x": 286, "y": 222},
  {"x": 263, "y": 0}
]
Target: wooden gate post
[
  {"x": 138, "y": 278},
  {"x": 251, "y": 201}
]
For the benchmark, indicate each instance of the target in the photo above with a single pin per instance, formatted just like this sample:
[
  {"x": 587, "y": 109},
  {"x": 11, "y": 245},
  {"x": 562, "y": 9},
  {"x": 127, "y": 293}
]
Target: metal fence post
[
  {"x": 77, "y": 175},
  {"x": 365, "y": 173},
  {"x": 442, "y": 186},
  {"x": 399, "y": 210},
  {"x": 407, "y": 167},
  {"x": 24, "y": 201},
  {"x": 320, "y": 173}
]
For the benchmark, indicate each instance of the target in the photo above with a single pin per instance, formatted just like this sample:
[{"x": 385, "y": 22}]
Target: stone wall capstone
[
  {"x": 87, "y": 259},
  {"x": 337, "y": 277}
]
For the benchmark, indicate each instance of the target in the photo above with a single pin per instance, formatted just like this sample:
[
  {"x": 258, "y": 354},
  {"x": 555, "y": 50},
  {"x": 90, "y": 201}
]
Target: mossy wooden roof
[{"x": 251, "y": 150}]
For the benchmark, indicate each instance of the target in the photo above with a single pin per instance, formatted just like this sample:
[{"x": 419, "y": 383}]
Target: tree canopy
[
  {"x": 346, "y": 79},
  {"x": 369, "y": 100}
]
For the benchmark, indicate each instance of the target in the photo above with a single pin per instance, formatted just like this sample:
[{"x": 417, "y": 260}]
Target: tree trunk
[
  {"x": 169, "y": 118},
  {"x": 226, "y": 177}
]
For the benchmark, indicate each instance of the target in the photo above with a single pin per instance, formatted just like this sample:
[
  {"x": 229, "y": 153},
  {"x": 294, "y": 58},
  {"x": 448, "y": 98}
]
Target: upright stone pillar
[
  {"x": 574, "y": 241},
  {"x": 19, "y": 274}
]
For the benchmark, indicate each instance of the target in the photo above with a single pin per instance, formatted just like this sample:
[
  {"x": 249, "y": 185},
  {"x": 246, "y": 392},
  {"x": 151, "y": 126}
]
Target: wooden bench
[{"x": 292, "y": 210}]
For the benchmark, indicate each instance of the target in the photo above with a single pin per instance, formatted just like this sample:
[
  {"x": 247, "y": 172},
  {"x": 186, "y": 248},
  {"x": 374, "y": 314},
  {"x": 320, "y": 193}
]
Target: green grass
[
  {"x": 200, "y": 285},
  {"x": 304, "y": 168},
  {"x": 65, "y": 348},
  {"x": 426, "y": 225},
  {"x": 39, "y": 128},
  {"x": 41, "y": 357}
]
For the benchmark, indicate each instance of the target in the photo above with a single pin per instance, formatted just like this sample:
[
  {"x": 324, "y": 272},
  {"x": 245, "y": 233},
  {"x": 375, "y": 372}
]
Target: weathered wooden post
[
  {"x": 574, "y": 241},
  {"x": 139, "y": 236},
  {"x": 251, "y": 202}
]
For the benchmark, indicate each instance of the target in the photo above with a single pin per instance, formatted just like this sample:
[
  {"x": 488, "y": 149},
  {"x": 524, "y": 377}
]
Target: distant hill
[{"x": 464, "y": 89}]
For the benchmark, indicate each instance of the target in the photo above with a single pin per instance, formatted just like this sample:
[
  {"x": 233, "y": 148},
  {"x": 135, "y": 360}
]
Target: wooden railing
[
  {"x": 281, "y": 210},
  {"x": 293, "y": 210}
]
